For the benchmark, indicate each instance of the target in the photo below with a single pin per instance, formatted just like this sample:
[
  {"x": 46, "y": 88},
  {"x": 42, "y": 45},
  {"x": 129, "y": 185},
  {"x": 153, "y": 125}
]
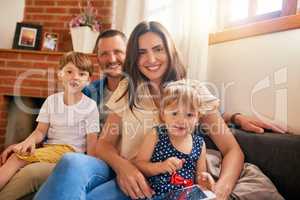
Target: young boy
[{"x": 69, "y": 119}]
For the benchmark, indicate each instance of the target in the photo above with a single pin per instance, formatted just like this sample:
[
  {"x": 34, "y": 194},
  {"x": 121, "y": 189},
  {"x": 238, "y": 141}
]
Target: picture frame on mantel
[
  {"x": 50, "y": 41},
  {"x": 27, "y": 36}
]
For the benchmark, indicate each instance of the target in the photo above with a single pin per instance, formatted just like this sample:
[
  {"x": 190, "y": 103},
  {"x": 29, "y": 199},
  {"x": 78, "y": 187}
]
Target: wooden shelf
[{"x": 58, "y": 53}]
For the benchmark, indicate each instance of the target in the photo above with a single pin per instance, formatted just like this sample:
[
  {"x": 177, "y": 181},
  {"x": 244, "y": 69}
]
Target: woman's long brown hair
[{"x": 175, "y": 68}]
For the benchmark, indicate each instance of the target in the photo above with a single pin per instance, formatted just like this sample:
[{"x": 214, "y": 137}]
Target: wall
[
  {"x": 265, "y": 68},
  {"x": 54, "y": 16},
  {"x": 11, "y": 11}
]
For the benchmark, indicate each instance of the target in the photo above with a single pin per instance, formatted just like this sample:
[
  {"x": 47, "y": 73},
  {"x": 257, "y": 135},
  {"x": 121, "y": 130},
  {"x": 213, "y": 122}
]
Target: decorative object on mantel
[
  {"x": 27, "y": 36},
  {"x": 85, "y": 29}
]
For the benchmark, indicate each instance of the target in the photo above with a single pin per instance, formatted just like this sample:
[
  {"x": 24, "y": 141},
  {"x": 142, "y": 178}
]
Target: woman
[{"x": 151, "y": 61}]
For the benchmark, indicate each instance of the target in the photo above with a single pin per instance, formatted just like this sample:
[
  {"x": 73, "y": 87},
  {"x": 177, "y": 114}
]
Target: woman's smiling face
[{"x": 153, "y": 58}]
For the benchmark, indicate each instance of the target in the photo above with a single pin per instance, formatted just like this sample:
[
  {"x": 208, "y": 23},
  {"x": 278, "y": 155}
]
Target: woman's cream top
[{"x": 139, "y": 121}]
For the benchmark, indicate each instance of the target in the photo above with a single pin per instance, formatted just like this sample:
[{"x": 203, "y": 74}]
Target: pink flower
[{"x": 87, "y": 17}]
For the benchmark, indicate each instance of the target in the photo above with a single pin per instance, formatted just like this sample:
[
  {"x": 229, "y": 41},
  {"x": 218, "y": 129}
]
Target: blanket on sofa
[{"x": 252, "y": 184}]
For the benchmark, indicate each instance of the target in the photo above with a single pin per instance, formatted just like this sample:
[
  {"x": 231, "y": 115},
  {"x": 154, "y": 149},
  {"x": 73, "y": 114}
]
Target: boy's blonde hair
[
  {"x": 80, "y": 60},
  {"x": 183, "y": 92}
]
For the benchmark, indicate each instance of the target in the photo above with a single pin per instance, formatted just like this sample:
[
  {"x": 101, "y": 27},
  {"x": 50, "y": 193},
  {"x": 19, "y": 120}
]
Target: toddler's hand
[
  {"x": 27, "y": 147},
  {"x": 172, "y": 164},
  {"x": 206, "y": 181}
]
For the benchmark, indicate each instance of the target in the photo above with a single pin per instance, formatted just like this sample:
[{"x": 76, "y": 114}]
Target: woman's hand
[
  {"x": 27, "y": 147},
  {"x": 222, "y": 191},
  {"x": 171, "y": 165},
  {"x": 132, "y": 182}
]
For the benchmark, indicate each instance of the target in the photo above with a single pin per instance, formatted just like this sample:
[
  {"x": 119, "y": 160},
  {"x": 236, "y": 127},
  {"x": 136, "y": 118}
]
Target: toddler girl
[{"x": 172, "y": 156}]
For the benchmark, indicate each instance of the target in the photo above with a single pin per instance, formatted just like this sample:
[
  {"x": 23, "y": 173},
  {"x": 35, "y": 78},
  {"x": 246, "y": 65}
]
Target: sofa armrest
[{"x": 277, "y": 155}]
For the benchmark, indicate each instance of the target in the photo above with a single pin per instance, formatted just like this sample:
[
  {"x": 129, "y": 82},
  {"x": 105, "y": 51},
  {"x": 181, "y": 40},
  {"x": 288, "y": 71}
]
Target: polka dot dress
[{"x": 163, "y": 150}]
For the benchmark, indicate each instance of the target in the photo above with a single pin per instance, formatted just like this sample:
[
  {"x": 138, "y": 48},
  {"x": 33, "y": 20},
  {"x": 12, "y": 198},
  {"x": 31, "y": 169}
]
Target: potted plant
[{"x": 85, "y": 29}]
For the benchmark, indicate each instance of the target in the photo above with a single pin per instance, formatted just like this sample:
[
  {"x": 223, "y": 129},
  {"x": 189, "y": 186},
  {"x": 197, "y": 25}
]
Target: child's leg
[{"x": 10, "y": 167}]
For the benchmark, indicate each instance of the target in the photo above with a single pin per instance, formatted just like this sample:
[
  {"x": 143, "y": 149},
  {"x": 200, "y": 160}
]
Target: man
[
  {"x": 111, "y": 46},
  {"x": 110, "y": 55}
]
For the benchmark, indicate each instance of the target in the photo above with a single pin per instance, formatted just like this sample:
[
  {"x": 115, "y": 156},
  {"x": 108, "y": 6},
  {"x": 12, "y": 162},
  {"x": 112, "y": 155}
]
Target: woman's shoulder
[
  {"x": 118, "y": 101},
  {"x": 121, "y": 89},
  {"x": 123, "y": 83}
]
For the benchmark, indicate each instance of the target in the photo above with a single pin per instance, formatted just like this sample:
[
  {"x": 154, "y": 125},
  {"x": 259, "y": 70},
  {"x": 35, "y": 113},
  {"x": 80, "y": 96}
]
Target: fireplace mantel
[
  {"x": 58, "y": 53},
  {"x": 30, "y": 52}
]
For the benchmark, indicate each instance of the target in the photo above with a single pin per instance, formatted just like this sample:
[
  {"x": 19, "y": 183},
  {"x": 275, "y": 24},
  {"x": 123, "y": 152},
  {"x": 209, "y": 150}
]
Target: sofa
[{"x": 277, "y": 155}]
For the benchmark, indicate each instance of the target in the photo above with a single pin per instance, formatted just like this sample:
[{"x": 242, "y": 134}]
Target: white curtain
[{"x": 188, "y": 21}]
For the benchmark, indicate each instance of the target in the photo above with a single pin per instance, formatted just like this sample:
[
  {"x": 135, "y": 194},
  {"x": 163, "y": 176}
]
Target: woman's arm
[
  {"x": 142, "y": 161},
  {"x": 130, "y": 179},
  {"x": 233, "y": 157},
  {"x": 91, "y": 141}
]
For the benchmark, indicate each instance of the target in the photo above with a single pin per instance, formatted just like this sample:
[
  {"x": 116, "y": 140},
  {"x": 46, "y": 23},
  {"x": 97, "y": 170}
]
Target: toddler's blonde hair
[{"x": 182, "y": 92}]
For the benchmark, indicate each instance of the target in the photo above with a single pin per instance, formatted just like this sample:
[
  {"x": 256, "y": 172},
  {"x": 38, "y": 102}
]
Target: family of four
[{"x": 149, "y": 123}]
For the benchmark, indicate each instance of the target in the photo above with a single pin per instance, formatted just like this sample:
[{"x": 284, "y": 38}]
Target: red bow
[{"x": 176, "y": 179}]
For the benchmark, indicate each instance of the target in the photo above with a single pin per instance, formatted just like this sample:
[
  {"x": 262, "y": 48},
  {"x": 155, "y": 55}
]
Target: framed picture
[
  {"x": 50, "y": 41},
  {"x": 27, "y": 36}
]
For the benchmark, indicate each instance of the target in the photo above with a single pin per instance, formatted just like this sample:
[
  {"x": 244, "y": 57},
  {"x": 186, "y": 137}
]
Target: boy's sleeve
[
  {"x": 44, "y": 115},
  {"x": 92, "y": 121}
]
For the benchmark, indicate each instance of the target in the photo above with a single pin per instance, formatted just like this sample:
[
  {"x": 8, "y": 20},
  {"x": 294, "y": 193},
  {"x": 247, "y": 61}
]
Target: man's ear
[
  {"x": 87, "y": 82},
  {"x": 60, "y": 74},
  {"x": 99, "y": 63}
]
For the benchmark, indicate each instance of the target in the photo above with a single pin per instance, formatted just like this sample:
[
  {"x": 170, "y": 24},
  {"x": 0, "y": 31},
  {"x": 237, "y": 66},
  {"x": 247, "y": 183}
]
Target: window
[
  {"x": 237, "y": 19},
  {"x": 265, "y": 6},
  {"x": 240, "y": 12}
]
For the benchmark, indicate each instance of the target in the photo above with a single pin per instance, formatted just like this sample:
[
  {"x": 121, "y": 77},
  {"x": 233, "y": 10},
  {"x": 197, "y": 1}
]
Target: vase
[{"x": 83, "y": 39}]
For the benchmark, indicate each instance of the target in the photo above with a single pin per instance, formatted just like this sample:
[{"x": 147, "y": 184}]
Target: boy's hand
[
  {"x": 27, "y": 147},
  {"x": 172, "y": 164},
  {"x": 206, "y": 181},
  {"x": 6, "y": 153}
]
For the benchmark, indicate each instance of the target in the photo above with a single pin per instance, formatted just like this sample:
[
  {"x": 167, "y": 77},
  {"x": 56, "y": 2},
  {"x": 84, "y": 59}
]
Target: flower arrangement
[{"x": 87, "y": 17}]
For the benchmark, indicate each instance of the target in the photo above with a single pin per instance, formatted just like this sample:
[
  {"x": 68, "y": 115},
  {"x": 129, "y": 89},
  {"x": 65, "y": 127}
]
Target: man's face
[{"x": 111, "y": 55}]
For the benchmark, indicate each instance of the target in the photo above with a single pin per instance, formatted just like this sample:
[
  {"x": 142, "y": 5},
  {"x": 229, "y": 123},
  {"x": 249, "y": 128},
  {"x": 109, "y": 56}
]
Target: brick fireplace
[
  {"x": 32, "y": 73},
  {"x": 28, "y": 74}
]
